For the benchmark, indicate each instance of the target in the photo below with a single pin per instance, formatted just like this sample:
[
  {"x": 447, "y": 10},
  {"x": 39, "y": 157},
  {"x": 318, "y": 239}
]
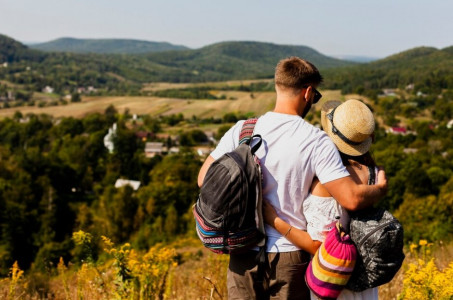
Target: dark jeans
[{"x": 282, "y": 277}]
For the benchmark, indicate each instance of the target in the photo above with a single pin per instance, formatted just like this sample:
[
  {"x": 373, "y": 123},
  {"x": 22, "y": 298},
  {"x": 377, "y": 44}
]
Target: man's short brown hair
[{"x": 295, "y": 73}]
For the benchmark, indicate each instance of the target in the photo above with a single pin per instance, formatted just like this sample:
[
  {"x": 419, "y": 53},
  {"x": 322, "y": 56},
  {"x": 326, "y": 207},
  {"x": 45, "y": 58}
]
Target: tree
[
  {"x": 117, "y": 209},
  {"x": 111, "y": 114},
  {"x": 75, "y": 97}
]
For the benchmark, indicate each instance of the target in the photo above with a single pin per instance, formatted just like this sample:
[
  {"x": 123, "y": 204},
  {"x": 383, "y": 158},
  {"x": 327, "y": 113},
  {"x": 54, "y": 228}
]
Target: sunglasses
[{"x": 317, "y": 95}]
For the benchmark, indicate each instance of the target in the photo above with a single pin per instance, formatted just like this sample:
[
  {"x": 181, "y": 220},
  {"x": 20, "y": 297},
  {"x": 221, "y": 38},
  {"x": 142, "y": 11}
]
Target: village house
[
  {"x": 86, "y": 90},
  {"x": 410, "y": 150},
  {"x": 410, "y": 86},
  {"x": 154, "y": 148},
  {"x": 450, "y": 124},
  {"x": 123, "y": 182},
  {"x": 397, "y": 130},
  {"x": 144, "y": 135},
  {"x": 400, "y": 130},
  {"x": 173, "y": 150},
  {"x": 204, "y": 151},
  {"x": 48, "y": 89},
  {"x": 9, "y": 97},
  {"x": 388, "y": 93}
]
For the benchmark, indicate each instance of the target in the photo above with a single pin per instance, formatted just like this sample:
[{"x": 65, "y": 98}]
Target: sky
[{"x": 373, "y": 28}]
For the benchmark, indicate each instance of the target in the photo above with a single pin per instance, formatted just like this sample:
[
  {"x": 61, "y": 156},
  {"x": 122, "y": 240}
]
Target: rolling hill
[
  {"x": 14, "y": 51},
  {"x": 122, "y": 72},
  {"x": 426, "y": 67},
  {"x": 107, "y": 46},
  {"x": 239, "y": 60}
]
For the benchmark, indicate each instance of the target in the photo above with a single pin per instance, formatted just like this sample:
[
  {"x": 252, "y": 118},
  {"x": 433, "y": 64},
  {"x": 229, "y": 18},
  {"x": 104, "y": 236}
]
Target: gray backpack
[
  {"x": 378, "y": 236},
  {"x": 228, "y": 212}
]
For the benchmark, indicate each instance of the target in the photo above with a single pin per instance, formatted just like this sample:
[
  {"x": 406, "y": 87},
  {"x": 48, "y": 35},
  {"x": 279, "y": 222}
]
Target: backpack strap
[
  {"x": 246, "y": 136},
  {"x": 247, "y": 131}
]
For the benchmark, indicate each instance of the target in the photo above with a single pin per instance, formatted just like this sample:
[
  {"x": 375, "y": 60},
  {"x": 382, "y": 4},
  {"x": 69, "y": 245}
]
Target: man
[{"x": 292, "y": 154}]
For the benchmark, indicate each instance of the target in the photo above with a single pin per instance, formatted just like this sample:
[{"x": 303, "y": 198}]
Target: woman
[{"x": 350, "y": 125}]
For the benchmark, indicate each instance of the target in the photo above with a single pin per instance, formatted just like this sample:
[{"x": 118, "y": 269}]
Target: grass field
[
  {"x": 244, "y": 102},
  {"x": 158, "y": 86}
]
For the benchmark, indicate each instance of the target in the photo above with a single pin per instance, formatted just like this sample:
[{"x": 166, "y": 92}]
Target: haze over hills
[
  {"x": 357, "y": 58},
  {"x": 123, "y": 46}
]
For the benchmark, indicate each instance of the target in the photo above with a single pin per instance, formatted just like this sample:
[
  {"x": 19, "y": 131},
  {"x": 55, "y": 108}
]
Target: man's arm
[
  {"x": 204, "y": 168},
  {"x": 354, "y": 195}
]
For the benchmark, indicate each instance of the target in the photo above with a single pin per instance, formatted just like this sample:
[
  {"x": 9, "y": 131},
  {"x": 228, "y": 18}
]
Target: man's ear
[{"x": 308, "y": 92}]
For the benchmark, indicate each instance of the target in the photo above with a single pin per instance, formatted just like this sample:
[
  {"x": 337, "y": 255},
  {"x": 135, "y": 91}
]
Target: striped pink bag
[{"x": 332, "y": 266}]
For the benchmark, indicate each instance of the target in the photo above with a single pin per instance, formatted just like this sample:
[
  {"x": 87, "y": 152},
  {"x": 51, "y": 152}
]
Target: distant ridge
[
  {"x": 239, "y": 60},
  {"x": 126, "y": 72},
  {"x": 107, "y": 46}
]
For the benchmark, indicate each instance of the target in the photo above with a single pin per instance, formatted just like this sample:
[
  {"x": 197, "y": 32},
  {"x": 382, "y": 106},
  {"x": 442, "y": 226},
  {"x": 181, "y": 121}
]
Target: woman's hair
[{"x": 364, "y": 159}]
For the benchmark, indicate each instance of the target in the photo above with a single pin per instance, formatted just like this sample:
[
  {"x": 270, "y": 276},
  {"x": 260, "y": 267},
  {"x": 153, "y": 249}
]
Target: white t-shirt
[{"x": 292, "y": 154}]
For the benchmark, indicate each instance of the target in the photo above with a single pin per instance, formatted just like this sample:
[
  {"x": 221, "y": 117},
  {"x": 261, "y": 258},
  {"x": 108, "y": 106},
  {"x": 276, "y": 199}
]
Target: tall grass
[{"x": 185, "y": 270}]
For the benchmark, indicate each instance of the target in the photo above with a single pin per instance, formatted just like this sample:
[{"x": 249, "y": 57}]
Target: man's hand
[
  {"x": 382, "y": 180},
  {"x": 354, "y": 196}
]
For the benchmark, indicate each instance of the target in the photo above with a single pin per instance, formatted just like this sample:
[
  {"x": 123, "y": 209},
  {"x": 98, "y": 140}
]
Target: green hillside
[
  {"x": 124, "y": 46},
  {"x": 425, "y": 67},
  {"x": 124, "y": 73},
  {"x": 238, "y": 60},
  {"x": 13, "y": 51}
]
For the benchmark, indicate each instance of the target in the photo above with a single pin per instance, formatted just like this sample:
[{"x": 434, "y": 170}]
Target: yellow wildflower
[
  {"x": 61, "y": 267},
  {"x": 107, "y": 241},
  {"x": 16, "y": 272},
  {"x": 80, "y": 237}
]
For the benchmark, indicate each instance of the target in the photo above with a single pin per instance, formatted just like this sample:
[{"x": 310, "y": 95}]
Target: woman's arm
[{"x": 296, "y": 236}]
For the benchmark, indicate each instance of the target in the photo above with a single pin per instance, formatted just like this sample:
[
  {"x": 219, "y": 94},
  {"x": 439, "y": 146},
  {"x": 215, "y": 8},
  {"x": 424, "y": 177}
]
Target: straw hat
[{"x": 349, "y": 125}]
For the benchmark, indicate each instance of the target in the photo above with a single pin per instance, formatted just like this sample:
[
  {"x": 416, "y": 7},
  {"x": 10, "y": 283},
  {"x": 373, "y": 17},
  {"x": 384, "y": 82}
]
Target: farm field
[{"x": 236, "y": 101}]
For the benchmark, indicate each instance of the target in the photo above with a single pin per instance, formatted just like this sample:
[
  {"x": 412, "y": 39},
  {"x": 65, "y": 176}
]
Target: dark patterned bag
[
  {"x": 378, "y": 236},
  {"x": 228, "y": 212}
]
